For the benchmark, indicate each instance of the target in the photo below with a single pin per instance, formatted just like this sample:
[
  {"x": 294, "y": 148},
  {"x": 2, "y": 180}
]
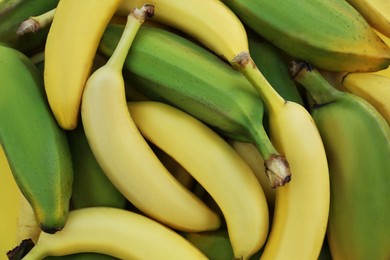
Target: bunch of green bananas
[{"x": 197, "y": 129}]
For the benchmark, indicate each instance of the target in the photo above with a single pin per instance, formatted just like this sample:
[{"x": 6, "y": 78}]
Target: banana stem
[
  {"x": 244, "y": 63},
  {"x": 311, "y": 79},
  {"x": 134, "y": 21},
  {"x": 35, "y": 23},
  {"x": 276, "y": 166}
]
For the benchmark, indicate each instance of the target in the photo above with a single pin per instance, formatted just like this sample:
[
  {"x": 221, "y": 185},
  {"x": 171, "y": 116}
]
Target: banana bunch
[
  {"x": 193, "y": 79},
  {"x": 180, "y": 129}
]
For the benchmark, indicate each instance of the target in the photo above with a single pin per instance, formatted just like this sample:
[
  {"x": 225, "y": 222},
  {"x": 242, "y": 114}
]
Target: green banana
[
  {"x": 91, "y": 187},
  {"x": 13, "y": 13},
  {"x": 35, "y": 146},
  {"x": 169, "y": 68},
  {"x": 330, "y": 34},
  {"x": 357, "y": 143}
]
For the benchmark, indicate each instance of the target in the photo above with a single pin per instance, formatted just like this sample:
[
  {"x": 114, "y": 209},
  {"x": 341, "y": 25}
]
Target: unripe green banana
[
  {"x": 169, "y": 68},
  {"x": 91, "y": 187},
  {"x": 36, "y": 148},
  {"x": 357, "y": 143},
  {"x": 13, "y": 13},
  {"x": 329, "y": 34}
]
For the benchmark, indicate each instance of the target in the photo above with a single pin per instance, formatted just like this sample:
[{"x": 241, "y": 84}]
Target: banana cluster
[{"x": 197, "y": 129}]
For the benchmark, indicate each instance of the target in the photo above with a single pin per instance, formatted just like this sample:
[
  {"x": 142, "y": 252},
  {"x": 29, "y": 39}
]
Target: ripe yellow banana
[
  {"x": 116, "y": 232},
  {"x": 376, "y": 12},
  {"x": 70, "y": 48},
  {"x": 17, "y": 217},
  {"x": 253, "y": 158},
  {"x": 302, "y": 206},
  {"x": 124, "y": 154},
  {"x": 373, "y": 88},
  {"x": 215, "y": 165}
]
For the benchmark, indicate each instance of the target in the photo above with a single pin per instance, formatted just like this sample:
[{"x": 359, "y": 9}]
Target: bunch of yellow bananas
[{"x": 197, "y": 129}]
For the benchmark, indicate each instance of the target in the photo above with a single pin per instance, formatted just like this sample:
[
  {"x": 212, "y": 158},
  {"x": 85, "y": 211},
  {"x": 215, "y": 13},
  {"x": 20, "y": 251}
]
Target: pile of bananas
[{"x": 196, "y": 129}]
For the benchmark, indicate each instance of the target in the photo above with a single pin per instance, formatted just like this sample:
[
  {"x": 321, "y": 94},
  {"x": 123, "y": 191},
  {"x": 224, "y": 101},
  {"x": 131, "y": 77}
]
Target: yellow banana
[
  {"x": 373, "y": 88},
  {"x": 70, "y": 48},
  {"x": 215, "y": 165},
  {"x": 17, "y": 217},
  {"x": 302, "y": 206},
  {"x": 116, "y": 232},
  {"x": 253, "y": 158},
  {"x": 125, "y": 156},
  {"x": 376, "y": 12}
]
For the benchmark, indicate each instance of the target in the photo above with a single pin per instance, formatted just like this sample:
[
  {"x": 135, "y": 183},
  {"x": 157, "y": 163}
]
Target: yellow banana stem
[
  {"x": 35, "y": 23},
  {"x": 245, "y": 64}
]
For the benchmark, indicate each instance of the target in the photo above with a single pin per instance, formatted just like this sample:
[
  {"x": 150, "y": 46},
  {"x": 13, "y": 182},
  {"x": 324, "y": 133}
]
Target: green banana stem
[
  {"x": 277, "y": 168},
  {"x": 35, "y": 23},
  {"x": 134, "y": 21},
  {"x": 244, "y": 63},
  {"x": 311, "y": 79}
]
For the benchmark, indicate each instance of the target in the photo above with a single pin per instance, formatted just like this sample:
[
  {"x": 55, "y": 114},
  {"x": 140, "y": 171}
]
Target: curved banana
[
  {"x": 215, "y": 165},
  {"x": 124, "y": 154},
  {"x": 357, "y": 143},
  {"x": 373, "y": 88},
  {"x": 17, "y": 217},
  {"x": 70, "y": 48},
  {"x": 198, "y": 82},
  {"x": 376, "y": 12},
  {"x": 36, "y": 147},
  {"x": 116, "y": 232},
  {"x": 91, "y": 187}
]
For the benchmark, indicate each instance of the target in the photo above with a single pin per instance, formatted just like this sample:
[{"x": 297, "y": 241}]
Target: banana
[
  {"x": 17, "y": 218},
  {"x": 376, "y": 12},
  {"x": 357, "y": 143},
  {"x": 384, "y": 72},
  {"x": 36, "y": 148},
  {"x": 373, "y": 88},
  {"x": 116, "y": 232},
  {"x": 13, "y": 13},
  {"x": 190, "y": 77},
  {"x": 252, "y": 157},
  {"x": 124, "y": 155},
  {"x": 331, "y": 34},
  {"x": 70, "y": 48},
  {"x": 215, "y": 165},
  {"x": 91, "y": 187},
  {"x": 302, "y": 206}
]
